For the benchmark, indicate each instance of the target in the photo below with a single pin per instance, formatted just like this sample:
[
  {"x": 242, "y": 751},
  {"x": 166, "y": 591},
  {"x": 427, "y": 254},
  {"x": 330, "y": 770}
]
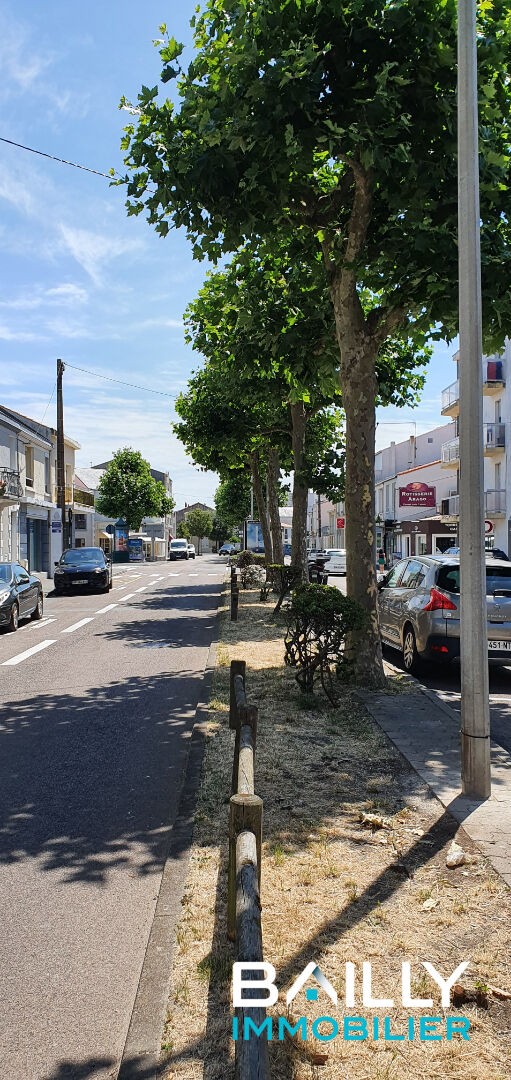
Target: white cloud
[{"x": 93, "y": 251}]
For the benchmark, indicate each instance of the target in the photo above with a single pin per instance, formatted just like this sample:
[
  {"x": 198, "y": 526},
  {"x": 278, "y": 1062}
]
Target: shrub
[
  {"x": 250, "y": 566},
  {"x": 320, "y": 618}
]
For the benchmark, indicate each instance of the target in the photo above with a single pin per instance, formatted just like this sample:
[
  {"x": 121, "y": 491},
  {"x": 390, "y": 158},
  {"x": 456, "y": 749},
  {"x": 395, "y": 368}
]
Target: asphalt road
[
  {"x": 97, "y": 706},
  {"x": 445, "y": 681}
]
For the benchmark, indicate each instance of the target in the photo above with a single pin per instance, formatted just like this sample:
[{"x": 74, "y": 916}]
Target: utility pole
[
  {"x": 475, "y": 717},
  {"x": 61, "y": 472}
]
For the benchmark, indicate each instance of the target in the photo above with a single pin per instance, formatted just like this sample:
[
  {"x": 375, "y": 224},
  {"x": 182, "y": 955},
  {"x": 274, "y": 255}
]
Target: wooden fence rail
[{"x": 244, "y": 871}]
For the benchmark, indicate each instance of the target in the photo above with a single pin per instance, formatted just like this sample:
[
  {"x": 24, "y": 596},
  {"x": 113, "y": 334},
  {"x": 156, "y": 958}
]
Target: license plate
[
  {"x": 499, "y": 646},
  {"x": 80, "y": 581}
]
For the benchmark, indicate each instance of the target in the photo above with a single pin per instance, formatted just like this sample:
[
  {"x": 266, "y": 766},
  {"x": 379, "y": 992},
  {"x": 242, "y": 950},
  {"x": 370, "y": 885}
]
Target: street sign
[
  {"x": 488, "y": 527},
  {"x": 340, "y": 523}
]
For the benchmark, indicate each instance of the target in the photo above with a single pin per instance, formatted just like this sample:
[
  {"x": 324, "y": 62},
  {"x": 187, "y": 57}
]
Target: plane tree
[{"x": 340, "y": 116}]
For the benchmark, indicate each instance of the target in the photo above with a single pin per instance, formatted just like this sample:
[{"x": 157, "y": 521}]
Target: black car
[
  {"x": 21, "y": 595},
  {"x": 80, "y": 568}
]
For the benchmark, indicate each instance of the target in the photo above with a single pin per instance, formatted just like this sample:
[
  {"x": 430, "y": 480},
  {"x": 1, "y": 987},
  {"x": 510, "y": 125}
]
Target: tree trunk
[
  {"x": 359, "y": 390},
  {"x": 261, "y": 507},
  {"x": 273, "y": 505},
  {"x": 299, "y": 532}
]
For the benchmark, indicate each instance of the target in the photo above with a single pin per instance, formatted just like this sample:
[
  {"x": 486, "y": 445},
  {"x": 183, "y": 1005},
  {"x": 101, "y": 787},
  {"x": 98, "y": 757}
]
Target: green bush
[
  {"x": 319, "y": 620},
  {"x": 250, "y": 566}
]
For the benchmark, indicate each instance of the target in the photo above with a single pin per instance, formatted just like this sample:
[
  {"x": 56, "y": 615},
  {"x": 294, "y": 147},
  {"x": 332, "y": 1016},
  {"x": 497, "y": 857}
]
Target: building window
[
  {"x": 29, "y": 466},
  {"x": 421, "y": 544},
  {"x": 80, "y": 522},
  {"x": 79, "y": 541}
]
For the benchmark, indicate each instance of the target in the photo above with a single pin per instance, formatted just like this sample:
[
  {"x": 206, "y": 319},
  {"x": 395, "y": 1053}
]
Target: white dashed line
[
  {"x": 127, "y": 597},
  {"x": 38, "y": 625},
  {"x": 101, "y": 610},
  {"x": 77, "y": 625},
  {"x": 174, "y": 575},
  {"x": 141, "y": 589},
  {"x": 193, "y": 575},
  {"x": 29, "y": 652}
]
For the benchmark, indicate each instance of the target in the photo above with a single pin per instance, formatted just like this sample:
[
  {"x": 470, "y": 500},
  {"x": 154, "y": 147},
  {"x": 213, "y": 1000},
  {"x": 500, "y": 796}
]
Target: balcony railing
[
  {"x": 494, "y": 437},
  {"x": 451, "y": 452},
  {"x": 450, "y": 396},
  {"x": 83, "y": 498},
  {"x": 10, "y": 484},
  {"x": 495, "y": 501}
]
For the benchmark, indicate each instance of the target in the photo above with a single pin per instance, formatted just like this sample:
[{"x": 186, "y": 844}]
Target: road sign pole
[{"x": 475, "y": 720}]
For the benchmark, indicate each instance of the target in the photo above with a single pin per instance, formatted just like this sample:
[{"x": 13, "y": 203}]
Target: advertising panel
[{"x": 417, "y": 495}]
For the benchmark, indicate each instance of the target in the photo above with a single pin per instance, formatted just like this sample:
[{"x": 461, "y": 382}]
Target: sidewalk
[{"x": 426, "y": 731}]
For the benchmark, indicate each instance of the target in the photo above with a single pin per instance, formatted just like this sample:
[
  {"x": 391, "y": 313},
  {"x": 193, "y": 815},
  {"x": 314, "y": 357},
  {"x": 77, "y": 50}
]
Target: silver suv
[{"x": 419, "y": 608}]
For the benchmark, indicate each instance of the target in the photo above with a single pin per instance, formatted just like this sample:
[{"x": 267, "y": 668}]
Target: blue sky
[{"x": 81, "y": 280}]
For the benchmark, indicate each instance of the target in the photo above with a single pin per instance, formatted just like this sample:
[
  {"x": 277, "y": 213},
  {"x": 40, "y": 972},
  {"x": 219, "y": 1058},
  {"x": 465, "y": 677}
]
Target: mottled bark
[
  {"x": 300, "y": 492},
  {"x": 359, "y": 390},
  {"x": 273, "y": 505},
  {"x": 261, "y": 507}
]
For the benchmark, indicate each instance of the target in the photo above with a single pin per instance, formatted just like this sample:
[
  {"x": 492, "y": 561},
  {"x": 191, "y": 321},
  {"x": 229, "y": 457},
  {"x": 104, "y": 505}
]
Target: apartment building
[{"x": 496, "y": 427}]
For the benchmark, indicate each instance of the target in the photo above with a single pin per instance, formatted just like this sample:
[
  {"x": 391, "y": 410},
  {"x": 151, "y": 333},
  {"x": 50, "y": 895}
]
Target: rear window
[{"x": 498, "y": 578}]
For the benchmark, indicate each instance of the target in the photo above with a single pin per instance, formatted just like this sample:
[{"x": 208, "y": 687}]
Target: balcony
[
  {"x": 495, "y": 503},
  {"x": 450, "y": 453},
  {"x": 493, "y": 375},
  {"x": 451, "y": 400},
  {"x": 451, "y": 506},
  {"x": 11, "y": 488},
  {"x": 494, "y": 438},
  {"x": 82, "y": 498}
]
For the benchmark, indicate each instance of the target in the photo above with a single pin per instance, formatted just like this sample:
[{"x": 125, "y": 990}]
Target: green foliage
[
  {"x": 319, "y": 620},
  {"x": 199, "y": 522},
  {"x": 127, "y": 490},
  {"x": 232, "y": 499},
  {"x": 183, "y": 530},
  {"x": 251, "y": 567}
]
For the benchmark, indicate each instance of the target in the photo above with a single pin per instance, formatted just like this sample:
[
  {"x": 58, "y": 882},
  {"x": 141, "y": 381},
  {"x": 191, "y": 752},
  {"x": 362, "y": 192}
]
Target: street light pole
[{"x": 475, "y": 720}]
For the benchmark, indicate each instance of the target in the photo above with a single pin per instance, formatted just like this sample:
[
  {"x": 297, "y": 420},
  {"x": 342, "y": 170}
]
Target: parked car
[
  {"x": 419, "y": 609},
  {"x": 21, "y": 595},
  {"x": 227, "y": 549},
  {"x": 191, "y": 551},
  {"x": 178, "y": 549},
  {"x": 84, "y": 567},
  {"x": 335, "y": 561}
]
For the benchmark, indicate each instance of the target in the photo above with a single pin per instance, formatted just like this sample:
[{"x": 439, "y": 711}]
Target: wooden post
[
  {"x": 241, "y": 706},
  {"x": 251, "y": 1055},
  {"x": 246, "y": 753},
  {"x": 238, "y": 667},
  {"x": 245, "y": 814}
]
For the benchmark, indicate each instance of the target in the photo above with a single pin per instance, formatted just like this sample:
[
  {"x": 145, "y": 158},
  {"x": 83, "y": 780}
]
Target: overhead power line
[
  {"x": 134, "y": 386},
  {"x": 62, "y": 161}
]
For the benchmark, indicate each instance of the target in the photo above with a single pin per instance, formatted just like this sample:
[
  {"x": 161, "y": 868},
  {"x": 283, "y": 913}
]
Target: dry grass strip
[{"x": 334, "y": 886}]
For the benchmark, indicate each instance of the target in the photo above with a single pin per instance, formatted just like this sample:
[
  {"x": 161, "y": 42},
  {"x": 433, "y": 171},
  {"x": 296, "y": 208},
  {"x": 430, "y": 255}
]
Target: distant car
[
  {"x": 227, "y": 549},
  {"x": 191, "y": 551},
  {"x": 335, "y": 561},
  {"x": 419, "y": 609},
  {"x": 21, "y": 595},
  {"x": 84, "y": 567},
  {"x": 178, "y": 549}
]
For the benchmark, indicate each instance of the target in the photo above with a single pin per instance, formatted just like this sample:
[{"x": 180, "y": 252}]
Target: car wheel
[
  {"x": 14, "y": 619},
  {"x": 411, "y": 660},
  {"x": 38, "y": 610}
]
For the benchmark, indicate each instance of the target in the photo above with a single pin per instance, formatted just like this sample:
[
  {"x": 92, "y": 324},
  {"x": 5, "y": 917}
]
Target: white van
[{"x": 178, "y": 549}]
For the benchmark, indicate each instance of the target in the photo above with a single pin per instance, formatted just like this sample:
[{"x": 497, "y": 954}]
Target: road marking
[
  {"x": 76, "y": 625},
  {"x": 193, "y": 575},
  {"x": 141, "y": 589},
  {"x": 174, "y": 575},
  {"x": 127, "y": 597},
  {"x": 159, "y": 578},
  {"x": 38, "y": 625},
  {"x": 29, "y": 652},
  {"x": 101, "y": 610}
]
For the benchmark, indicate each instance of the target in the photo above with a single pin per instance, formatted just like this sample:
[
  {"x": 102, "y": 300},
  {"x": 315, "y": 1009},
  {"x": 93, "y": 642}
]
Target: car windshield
[
  {"x": 498, "y": 579},
  {"x": 82, "y": 555},
  {"x": 5, "y": 573},
  {"x": 179, "y": 544}
]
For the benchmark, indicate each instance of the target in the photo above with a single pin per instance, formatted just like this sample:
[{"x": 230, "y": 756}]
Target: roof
[
  {"x": 32, "y": 426},
  {"x": 89, "y": 477}
]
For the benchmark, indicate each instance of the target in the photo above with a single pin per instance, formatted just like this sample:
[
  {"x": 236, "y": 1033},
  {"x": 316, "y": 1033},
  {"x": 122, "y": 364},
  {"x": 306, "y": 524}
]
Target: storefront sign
[
  {"x": 340, "y": 523},
  {"x": 417, "y": 495}
]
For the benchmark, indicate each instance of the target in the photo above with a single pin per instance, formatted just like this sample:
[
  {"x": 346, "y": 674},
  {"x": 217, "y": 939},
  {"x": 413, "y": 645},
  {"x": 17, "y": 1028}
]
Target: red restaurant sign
[
  {"x": 340, "y": 523},
  {"x": 417, "y": 495}
]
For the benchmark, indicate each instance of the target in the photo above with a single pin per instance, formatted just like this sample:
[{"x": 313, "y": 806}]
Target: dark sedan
[
  {"x": 83, "y": 568},
  {"x": 21, "y": 595}
]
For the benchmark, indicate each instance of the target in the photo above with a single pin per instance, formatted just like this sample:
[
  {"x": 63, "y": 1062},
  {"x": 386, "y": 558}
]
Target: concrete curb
[{"x": 141, "y": 1055}]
